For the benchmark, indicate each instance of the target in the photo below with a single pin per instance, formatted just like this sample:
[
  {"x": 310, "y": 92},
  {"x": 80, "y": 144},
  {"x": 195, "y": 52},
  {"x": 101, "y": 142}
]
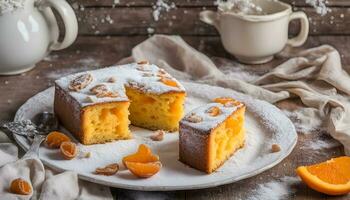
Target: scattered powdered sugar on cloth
[
  {"x": 10, "y": 5},
  {"x": 305, "y": 120},
  {"x": 275, "y": 190},
  {"x": 321, "y": 144}
]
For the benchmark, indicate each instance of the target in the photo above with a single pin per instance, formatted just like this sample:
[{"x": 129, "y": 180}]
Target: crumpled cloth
[
  {"x": 314, "y": 75},
  {"x": 45, "y": 183}
]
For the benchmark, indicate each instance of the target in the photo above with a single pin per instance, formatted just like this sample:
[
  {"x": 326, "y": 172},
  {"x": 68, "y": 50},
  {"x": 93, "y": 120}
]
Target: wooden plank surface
[
  {"x": 184, "y": 3},
  {"x": 91, "y": 52},
  {"x": 185, "y": 21}
]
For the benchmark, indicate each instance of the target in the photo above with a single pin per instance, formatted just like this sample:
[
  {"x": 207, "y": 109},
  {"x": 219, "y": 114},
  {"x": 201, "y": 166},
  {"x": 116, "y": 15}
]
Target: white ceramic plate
[{"x": 265, "y": 125}]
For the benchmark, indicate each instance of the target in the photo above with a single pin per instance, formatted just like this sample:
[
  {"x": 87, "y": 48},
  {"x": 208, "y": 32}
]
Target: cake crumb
[
  {"x": 87, "y": 155},
  {"x": 90, "y": 99},
  {"x": 275, "y": 148},
  {"x": 158, "y": 135}
]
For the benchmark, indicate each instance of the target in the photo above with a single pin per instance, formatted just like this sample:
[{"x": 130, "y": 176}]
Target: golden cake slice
[
  {"x": 211, "y": 134},
  {"x": 95, "y": 105}
]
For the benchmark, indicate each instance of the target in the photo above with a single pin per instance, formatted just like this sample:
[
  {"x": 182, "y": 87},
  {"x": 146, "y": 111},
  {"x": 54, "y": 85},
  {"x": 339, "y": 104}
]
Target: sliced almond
[
  {"x": 275, "y": 148},
  {"x": 102, "y": 91},
  {"x": 108, "y": 94},
  {"x": 80, "y": 82},
  {"x": 108, "y": 170},
  {"x": 143, "y": 62},
  {"x": 158, "y": 135},
  {"x": 99, "y": 89},
  {"x": 214, "y": 111},
  {"x": 112, "y": 80},
  {"x": 193, "y": 118}
]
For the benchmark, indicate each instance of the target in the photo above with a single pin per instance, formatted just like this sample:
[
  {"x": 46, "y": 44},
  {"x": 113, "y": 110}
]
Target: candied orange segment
[
  {"x": 143, "y": 170},
  {"x": 168, "y": 82},
  {"x": 224, "y": 100},
  {"x": 55, "y": 139},
  {"x": 331, "y": 177},
  {"x": 20, "y": 186},
  {"x": 143, "y": 155},
  {"x": 214, "y": 111},
  {"x": 68, "y": 150}
]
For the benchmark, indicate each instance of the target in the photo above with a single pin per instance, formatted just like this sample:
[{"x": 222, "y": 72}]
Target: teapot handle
[{"x": 69, "y": 20}]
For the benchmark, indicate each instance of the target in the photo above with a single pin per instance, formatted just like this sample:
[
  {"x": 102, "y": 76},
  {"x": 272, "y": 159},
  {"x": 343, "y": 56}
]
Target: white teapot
[{"x": 29, "y": 33}]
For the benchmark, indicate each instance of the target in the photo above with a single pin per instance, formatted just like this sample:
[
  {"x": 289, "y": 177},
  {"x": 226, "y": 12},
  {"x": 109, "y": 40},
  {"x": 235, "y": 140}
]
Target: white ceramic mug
[
  {"x": 28, "y": 34},
  {"x": 254, "y": 39}
]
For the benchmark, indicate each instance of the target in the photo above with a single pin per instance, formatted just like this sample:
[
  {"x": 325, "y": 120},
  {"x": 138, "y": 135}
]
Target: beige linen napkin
[
  {"x": 46, "y": 185},
  {"x": 315, "y": 75}
]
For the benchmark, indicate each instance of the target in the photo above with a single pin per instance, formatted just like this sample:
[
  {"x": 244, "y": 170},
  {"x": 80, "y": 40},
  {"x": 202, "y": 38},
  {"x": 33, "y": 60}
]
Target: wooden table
[{"x": 115, "y": 41}]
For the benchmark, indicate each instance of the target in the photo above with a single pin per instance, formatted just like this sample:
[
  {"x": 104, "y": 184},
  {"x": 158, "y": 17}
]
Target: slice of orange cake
[
  {"x": 212, "y": 133},
  {"x": 95, "y": 105}
]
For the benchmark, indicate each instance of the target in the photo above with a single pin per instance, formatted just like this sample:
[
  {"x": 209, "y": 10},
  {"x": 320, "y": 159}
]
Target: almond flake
[
  {"x": 194, "y": 118},
  {"x": 143, "y": 62},
  {"x": 158, "y": 135},
  {"x": 102, "y": 91},
  {"x": 112, "y": 80},
  {"x": 136, "y": 85},
  {"x": 162, "y": 71},
  {"x": 80, "y": 82},
  {"x": 99, "y": 89},
  {"x": 275, "y": 148},
  {"x": 108, "y": 170},
  {"x": 107, "y": 94},
  {"x": 214, "y": 111}
]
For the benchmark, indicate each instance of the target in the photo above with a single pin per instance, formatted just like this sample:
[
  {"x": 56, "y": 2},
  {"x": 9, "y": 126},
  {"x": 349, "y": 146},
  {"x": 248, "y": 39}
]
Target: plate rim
[{"x": 226, "y": 181}]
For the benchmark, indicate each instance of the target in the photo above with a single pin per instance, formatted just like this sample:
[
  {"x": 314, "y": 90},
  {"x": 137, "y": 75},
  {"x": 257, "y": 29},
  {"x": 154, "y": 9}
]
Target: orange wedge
[
  {"x": 143, "y": 170},
  {"x": 331, "y": 177},
  {"x": 143, "y": 155}
]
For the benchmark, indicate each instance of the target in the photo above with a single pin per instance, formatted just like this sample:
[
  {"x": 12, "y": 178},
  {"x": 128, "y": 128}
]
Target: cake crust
[
  {"x": 197, "y": 139},
  {"x": 88, "y": 92}
]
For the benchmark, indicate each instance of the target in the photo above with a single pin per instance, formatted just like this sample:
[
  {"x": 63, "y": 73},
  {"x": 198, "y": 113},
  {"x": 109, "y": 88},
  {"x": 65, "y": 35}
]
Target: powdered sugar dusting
[
  {"x": 306, "y": 120},
  {"x": 209, "y": 122},
  {"x": 321, "y": 144},
  {"x": 275, "y": 190},
  {"x": 252, "y": 159},
  {"x": 132, "y": 75}
]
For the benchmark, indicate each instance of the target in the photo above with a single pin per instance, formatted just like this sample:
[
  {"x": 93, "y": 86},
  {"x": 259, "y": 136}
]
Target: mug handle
[
  {"x": 210, "y": 17},
  {"x": 69, "y": 20},
  {"x": 304, "y": 32}
]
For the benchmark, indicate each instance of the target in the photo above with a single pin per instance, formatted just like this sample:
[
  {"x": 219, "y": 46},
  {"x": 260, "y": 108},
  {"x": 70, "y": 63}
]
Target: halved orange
[
  {"x": 143, "y": 155},
  {"x": 143, "y": 170},
  {"x": 331, "y": 177}
]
